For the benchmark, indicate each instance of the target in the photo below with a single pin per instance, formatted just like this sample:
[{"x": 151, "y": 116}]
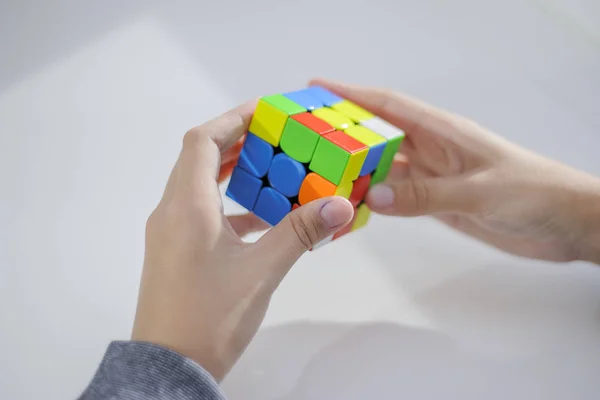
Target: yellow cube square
[
  {"x": 333, "y": 118},
  {"x": 344, "y": 190},
  {"x": 364, "y": 135},
  {"x": 268, "y": 122},
  {"x": 352, "y": 111},
  {"x": 362, "y": 217},
  {"x": 355, "y": 163}
]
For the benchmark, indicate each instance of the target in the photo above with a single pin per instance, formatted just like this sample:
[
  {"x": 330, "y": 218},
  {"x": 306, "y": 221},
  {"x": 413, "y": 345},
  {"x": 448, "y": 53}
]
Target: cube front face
[
  {"x": 310, "y": 144},
  {"x": 299, "y": 141}
]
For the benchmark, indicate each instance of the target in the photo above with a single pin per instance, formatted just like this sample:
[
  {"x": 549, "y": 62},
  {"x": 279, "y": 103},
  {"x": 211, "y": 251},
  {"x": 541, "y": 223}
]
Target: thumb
[
  {"x": 302, "y": 229},
  {"x": 424, "y": 196}
]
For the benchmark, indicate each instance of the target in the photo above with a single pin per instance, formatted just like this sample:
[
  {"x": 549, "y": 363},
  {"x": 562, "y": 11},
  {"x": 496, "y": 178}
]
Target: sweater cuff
[{"x": 138, "y": 370}]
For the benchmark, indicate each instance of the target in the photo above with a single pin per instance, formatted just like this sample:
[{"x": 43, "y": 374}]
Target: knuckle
[
  {"x": 153, "y": 219},
  {"x": 413, "y": 198},
  {"x": 171, "y": 213},
  {"x": 194, "y": 137},
  {"x": 157, "y": 220},
  {"x": 422, "y": 195},
  {"x": 307, "y": 233},
  {"x": 387, "y": 101},
  {"x": 421, "y": 123}
]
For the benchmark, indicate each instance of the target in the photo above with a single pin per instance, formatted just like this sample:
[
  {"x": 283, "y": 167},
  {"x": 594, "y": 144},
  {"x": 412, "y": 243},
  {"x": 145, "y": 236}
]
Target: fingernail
[
  {"x": 381, "y": 197},
  {"x": 334, "y": 213}
]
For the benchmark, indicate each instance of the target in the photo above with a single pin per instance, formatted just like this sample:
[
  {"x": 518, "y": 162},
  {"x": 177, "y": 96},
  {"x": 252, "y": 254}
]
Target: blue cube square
[
  {"x": 373, "y": 157},
  {"x": 256, "y": 156},
  {"x": 324, "y": 95},
  {"x": 305, "y": 99},
  {"x": 244, "y": 188},
  {"x": 272, "y": 206}
]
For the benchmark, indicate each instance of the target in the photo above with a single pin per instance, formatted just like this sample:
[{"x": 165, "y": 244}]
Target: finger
[
  {"x": 406, "y": 162},
  {"x": 403, "y": 169},
  {"x": 409, "y": 151},
  {"x": 400, "y": 170},
  {"x": 202, "y": 147},
  {"x": 228, "y": 161},
  {"x": 246, "y": 223},
  {"x": 416, "y": 117},
  {"x": 300, "y": 230},
  {"x": 416, "y": 196},
  {"x": 401, "y": 110},
  {"x": 407, "y": 148}
]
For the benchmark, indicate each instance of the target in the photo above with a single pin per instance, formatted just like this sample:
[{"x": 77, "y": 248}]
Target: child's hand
[{"x": 204, "y": 292}]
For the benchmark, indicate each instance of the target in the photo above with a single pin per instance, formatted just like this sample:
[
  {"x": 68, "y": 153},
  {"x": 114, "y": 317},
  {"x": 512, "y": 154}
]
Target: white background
[{"x": 96, "y": 96}]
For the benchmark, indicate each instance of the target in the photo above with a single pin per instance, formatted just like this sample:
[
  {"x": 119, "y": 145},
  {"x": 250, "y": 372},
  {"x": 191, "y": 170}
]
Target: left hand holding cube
[{"x": 204, "y": 291}]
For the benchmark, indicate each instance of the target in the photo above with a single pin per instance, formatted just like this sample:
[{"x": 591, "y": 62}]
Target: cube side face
[
  {"x": 362, "y": 216},
  {"x": 339, "y": 157},
  {"x": 344, "y": 190},
  {"x": 376, "y": 144},
  {"x": 272, "y": 206},
  {"x": 256, "y": 156},
  {"x": 355, "y": 164},
  {"x": 286, "y": 175},
  {"x": 244, "y": 188},
  {"x": 359, "y": 190},
  {"x": 329, "y": 161},
  {"x": 309, "y": 144},
  {"x": 386, "y": 161},
  {"x": 372, "y": 160},
  {"x": 315, "y": 187}
]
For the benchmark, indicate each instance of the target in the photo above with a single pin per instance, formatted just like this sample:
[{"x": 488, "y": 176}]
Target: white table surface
[{"x": 94, "y": 100}]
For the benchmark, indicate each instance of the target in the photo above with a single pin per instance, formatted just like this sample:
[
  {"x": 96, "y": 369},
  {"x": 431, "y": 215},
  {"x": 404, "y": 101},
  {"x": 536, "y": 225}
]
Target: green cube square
[
  {"x": 284, "y": 104},
  {"x": 329, "y": 161},
  {"x": 299, "y": 141},
  {"x": 386, "y": 161}
]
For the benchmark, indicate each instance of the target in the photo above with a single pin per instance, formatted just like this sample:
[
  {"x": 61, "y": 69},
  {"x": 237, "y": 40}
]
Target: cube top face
[
  {"x": 346, "y": 142},
  {"x": 324, "y": 95},
  {"x": 333, "y": 117},
  {"x": 365, "y": 135},
  {"x": 305, "y": 99},
  {"x": 352, "y": 111},
  {"x": 284, "y": 104},
  {"x": 314, "y": 123},
  {"x": 308, "y": 144}
]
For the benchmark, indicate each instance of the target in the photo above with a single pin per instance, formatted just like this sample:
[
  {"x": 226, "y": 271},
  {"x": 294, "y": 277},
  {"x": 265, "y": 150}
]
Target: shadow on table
[
  {"x": 387, "y": 361},
  {"x": 499, "y": 331}
]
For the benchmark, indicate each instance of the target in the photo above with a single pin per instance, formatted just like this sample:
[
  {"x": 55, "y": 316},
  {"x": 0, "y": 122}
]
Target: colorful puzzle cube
[{"x": 309, "y": 144}]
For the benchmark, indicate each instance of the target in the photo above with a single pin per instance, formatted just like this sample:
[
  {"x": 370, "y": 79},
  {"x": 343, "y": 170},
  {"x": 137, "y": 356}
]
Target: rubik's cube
[{"x": 309, "y": 144}]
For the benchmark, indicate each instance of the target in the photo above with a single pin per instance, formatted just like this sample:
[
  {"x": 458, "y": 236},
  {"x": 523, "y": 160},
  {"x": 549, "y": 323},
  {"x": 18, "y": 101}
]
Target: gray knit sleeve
[{"x": 137, "y": 370}]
